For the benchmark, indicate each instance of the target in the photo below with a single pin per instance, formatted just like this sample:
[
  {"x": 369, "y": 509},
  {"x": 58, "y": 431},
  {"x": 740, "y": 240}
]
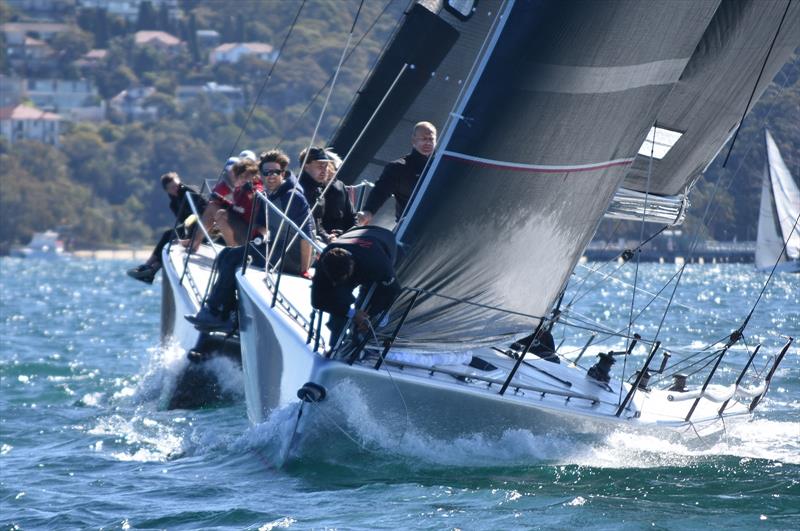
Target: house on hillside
[
  {"x": 16, "y": 32},
  {"x": 59, "y": 95},
  {"x": 160, "y": 40},
  {"x": 26, "y": 44},
  {"x": 45, "y": 7},
  {"x": 207, "y": 39},
  {"x": 28, "y": 123},
  {"x": 226, "y": 99},
  {"x": 232, "y": 52},
  {"x": 91, "y": 59},
  {"x": 132, "y": 104}
]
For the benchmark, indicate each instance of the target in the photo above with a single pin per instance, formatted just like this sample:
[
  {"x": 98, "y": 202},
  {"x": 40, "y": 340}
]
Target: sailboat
[
  {"x": 554, "y": 115},
  {"x": 778, "y": 241}
]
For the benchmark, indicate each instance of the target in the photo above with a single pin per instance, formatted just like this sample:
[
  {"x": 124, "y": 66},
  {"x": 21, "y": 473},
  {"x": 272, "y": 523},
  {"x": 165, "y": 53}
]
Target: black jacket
[
  {"x": 399, "y": 178},
  {"x": 180, "y": 207},
  {"x": 374, "y": 250},
  {"x": 334, "y": 211}
]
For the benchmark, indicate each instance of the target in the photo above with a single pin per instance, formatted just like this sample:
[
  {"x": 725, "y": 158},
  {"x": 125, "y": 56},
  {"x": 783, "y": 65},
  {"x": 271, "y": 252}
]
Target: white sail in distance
[{"x": 780, "y": 208}]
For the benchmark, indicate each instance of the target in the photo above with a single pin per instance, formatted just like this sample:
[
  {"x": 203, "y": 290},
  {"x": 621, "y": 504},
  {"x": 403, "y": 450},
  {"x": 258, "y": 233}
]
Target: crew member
[
  {"x": 362, "y": 256},
  {"x": 399, "y": 177}
]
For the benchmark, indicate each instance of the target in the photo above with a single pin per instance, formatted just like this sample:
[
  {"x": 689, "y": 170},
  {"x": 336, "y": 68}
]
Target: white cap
[
  {"x": 230, "y": 162},
  {"x": 247, "y": 154}
]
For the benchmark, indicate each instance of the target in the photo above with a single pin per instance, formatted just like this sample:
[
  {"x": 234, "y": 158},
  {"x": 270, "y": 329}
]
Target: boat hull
[
  {"x": 438, "y": 401},
  {"x": 199, "y": 383}
]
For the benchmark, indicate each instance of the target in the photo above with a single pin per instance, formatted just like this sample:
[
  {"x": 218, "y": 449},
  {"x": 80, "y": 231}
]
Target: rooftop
[
  {"x": 23, "y": 112},
  {"x": 144, "y": 37}
]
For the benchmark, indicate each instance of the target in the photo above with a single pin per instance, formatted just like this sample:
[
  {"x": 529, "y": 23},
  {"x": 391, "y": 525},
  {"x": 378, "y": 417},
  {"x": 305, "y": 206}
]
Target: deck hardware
[
  {"x": 734, "y": 338},
  {"x": 642, "y": 372}
]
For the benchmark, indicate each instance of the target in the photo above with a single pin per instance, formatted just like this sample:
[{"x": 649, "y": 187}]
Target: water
[{"x": 86, "y": 443}]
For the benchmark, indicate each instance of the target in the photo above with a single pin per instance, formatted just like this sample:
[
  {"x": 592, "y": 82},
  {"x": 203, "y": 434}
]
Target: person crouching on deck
[
  {"x": 362, "y": 256},
  {"x": 218, "y": 313}
]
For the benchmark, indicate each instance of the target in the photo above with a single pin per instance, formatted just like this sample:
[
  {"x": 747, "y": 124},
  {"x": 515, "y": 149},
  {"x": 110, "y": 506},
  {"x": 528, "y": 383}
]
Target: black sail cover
[{"x": 545, "y": 129}]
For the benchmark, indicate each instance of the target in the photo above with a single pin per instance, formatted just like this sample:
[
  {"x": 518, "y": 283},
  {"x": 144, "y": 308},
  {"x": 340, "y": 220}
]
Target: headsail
[{"x": 780, "y": 208}]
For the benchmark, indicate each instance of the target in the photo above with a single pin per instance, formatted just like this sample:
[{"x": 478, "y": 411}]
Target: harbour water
[{"x": 85, "y": 441}]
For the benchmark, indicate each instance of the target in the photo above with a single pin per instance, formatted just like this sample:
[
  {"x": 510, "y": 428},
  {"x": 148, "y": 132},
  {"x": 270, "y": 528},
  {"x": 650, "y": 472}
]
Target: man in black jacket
[
  {"x": 399, "y": 177},
  {"x": 171, "y": 182},
  {"x": 363, "y": 256},
  {"x": 333, "y": 211}
]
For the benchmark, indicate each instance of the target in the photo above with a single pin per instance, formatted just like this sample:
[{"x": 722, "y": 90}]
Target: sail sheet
[
  {"x": 707, "y": 102},
  {"x": 548, "y": 125},
  {"x": 778, "y": 213}
]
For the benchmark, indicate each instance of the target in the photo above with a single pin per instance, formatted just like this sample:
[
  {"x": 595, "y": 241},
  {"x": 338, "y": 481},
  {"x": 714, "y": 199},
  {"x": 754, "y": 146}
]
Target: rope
[
  {"x": 314, "y": 98},
  {"x": 319, "y": 121},
  {"x": 755, "y": 85},
  {"x": 266, "y": 80}
]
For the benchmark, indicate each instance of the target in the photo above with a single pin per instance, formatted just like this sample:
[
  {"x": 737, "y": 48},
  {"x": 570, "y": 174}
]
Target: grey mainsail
[
  {"x": 550, "y": 104},
  {"x": 707, "y": 102},
  {"x": 555, "y": 114},
  {"x": 778, "y": 212}
]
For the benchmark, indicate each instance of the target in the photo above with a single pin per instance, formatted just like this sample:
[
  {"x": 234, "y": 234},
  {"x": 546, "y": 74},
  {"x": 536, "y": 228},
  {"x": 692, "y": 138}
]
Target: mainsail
[
  {"x": 548, "y": 105},
  {"x": 705, "y": 105},
  {"x": 780, "y": 209}
]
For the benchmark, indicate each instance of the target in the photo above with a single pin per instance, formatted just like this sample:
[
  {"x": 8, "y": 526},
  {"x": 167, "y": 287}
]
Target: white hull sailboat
[
  {"x": 533, "y": 151},
  {"x": 778, "y": 241}
]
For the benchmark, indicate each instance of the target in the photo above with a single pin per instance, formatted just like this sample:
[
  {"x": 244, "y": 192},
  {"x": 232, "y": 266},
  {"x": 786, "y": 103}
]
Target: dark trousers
[
  {"x": 336, "y": 324},
  {"x": 165, "y": 239},
  {"x": 222, "y": 299}
]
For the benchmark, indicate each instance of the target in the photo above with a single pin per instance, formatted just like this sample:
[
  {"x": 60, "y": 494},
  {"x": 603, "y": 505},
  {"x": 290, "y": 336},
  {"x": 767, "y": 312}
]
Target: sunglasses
[{"x": 267, "y": 173}]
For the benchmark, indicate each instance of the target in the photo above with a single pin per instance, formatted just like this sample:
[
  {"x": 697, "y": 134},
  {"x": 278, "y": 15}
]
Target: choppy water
[{"x": 85, "y": 441}]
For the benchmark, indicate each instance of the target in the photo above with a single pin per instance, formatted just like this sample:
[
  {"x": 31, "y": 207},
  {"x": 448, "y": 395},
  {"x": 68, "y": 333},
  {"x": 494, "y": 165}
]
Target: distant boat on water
[
  {"x": 43, "y": 245},
  {"x": 778, "y": 237}
]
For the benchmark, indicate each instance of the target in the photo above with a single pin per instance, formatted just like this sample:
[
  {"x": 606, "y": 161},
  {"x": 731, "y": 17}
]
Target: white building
[
  {"x": 60, "y": 95},
  {"x": 232, "y": 52},
  {"x": 28, "y": 123}
]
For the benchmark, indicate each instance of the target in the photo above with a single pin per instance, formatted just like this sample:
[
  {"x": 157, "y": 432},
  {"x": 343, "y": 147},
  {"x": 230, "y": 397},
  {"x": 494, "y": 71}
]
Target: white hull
[
  {"x": 213, "y": 374},
  {"x": 182, "y": 294},
  {"x": 444, "y": 401}
]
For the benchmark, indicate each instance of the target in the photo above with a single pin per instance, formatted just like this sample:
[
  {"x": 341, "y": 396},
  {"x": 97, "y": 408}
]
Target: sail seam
[{"x": 536, "y": 168}]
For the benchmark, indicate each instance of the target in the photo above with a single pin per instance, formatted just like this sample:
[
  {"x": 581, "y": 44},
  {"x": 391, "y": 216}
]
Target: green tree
[{"x": 146, "y": 19}]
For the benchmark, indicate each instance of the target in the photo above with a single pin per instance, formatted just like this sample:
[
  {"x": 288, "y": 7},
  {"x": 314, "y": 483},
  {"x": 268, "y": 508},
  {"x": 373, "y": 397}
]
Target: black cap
[{"x": 317, "y": 153}]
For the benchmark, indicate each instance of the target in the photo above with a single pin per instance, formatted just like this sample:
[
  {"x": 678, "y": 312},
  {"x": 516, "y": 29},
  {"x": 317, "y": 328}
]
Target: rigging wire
[
  {"x": 319, "y": 121},
  {"x": 314, "y": 98},
  {"x": 638, "y": 252},
  {"x": 755, "y": 85},
  {"x": 266, "y": 80}
]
